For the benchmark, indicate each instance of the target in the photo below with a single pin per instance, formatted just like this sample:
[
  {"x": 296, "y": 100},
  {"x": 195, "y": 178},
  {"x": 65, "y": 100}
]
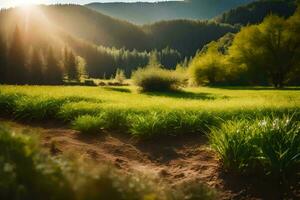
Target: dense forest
[
  {"x": 143, "y": 12},
  {"x": 255, "y": 12},
  {"x": 52, "y": 44},
  {"x": 185, "y": 36}
]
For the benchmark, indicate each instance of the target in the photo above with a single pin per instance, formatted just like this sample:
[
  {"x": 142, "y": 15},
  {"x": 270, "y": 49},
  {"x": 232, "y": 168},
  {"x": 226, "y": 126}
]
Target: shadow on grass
[
  {"x": 184, "y": 95},
  {"x": 260, "y": 186},
  {"x": 255, "y": 88},
  {"x": 118, "y": 89},
  {"x": 166, "y": 148}
]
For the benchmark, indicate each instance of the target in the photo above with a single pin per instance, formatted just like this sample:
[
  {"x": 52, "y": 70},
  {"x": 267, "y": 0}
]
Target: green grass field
[
  {"x": 192, "y": 110},
  {"x": 250, "y": 129}
]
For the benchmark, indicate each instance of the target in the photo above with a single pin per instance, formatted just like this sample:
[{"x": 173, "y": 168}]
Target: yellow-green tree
[
  {"x": 270, "y": 50},
  {"x": 208, "y": 67}
]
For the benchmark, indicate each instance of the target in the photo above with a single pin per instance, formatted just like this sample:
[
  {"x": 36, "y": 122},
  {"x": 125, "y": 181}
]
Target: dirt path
[{"x": 175, "y": 160}]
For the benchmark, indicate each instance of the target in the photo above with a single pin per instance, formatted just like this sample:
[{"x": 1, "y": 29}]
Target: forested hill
[
  {"x": 185, "y": 36},
  {"x": 104, "y": 42},
  {"x": 143, "y": 12},
  {"x": 255, "y": 12}
]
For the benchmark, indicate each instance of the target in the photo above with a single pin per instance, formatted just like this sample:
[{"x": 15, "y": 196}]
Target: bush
[
  {"x": 271, "y": 143},
  {"x": 208, "y": 67},
  {"x": 153, "y": 78}
]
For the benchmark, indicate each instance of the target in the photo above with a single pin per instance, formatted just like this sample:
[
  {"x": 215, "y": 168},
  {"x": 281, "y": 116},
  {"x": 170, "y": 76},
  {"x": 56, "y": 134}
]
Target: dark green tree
[
  {"x": 71, "y": 65},
  {"x": 36, "y": 68},
  {"x": 16, "y": 67},
  {"x": 3, "y": 54},
  {"x": 54, "y": 74}
]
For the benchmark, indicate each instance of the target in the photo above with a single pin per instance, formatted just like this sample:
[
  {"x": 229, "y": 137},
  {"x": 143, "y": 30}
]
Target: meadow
[
  {"x": 251, "y": 130},
  {"x": 125, "y": 109}
]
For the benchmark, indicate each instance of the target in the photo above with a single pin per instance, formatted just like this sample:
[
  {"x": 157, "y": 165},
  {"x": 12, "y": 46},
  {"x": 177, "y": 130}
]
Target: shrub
[
  {"x": 271, "y": 143},
  {"x": 208, "y": 67},
  {"x": 153, "y": 78}
]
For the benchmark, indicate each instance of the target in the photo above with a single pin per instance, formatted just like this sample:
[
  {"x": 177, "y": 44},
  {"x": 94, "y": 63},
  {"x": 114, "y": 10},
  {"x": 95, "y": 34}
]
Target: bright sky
[{"x": 10, "y": 3}]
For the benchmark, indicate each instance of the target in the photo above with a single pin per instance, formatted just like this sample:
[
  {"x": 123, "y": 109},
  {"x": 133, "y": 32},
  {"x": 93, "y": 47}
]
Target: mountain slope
[
  {"x": 255, "y": 12},
  {"x": 105, "y": 42},
  {"x": 143, "y": 12},
  {"x": 186, "y": 36},
  {"x": 95, "y": 27}
]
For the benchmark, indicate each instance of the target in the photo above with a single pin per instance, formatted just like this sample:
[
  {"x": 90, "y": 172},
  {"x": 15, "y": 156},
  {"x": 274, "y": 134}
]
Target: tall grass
[
  {"x": 162, "y": 123},
  {"x": 144, "y": 115},
  {"x": 271, "y": 144}
]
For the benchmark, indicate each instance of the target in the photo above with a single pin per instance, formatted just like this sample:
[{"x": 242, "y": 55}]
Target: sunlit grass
[
  {"x": 269, "y": 145},
  {"x": 191, "y": 110}
]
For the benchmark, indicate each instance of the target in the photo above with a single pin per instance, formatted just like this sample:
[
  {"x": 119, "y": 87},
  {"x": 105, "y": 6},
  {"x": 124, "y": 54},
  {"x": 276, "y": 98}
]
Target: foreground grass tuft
[
  {"x": 88, "y": 124},
  {"x": 172, "y": 123},
  {"x": 271, "y": 144}
]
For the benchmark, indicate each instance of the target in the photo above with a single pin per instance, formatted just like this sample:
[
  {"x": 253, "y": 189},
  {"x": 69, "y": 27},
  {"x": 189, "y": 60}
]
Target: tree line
[
  {"x": 20, "y": 64},
  {"x": 23, "y": 62},
  {"x": 255, "y": 12}
]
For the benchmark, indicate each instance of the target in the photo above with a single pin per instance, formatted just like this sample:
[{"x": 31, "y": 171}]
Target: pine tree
[
  {"x": 54, "y": 74},
  {"x": 3, "y": 54},
  {"x": 120, "y": 76},
  {"x": 16, "y": 67},
  {"x": 36, "y": 68},
  {"x": 71, "y": 66}
]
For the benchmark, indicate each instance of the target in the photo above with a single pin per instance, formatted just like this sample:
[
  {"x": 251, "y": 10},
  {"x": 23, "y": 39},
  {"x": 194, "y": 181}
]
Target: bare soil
[{"x": 175, "y": 160}]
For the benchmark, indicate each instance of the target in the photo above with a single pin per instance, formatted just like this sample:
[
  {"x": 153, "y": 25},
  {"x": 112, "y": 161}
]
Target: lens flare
[{"x": 27, "y": 3}]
